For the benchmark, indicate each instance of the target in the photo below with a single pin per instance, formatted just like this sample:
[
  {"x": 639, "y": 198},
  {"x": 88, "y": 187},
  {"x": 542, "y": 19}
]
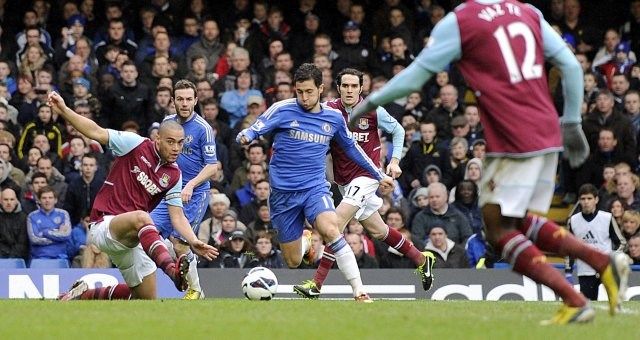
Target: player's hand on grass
[
  {"x": 387, "y": 182},
  {"x": 204, "y": 250},
  {"x": 55, "y": 101},
  {"x": 576, "y": 148},
  {"x": 393, "y": 169}
]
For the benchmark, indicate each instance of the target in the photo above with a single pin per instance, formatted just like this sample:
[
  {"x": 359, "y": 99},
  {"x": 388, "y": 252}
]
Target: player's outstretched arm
[
  {"x": 182, "y": 226},
  {"x": 85, "y": 125}
]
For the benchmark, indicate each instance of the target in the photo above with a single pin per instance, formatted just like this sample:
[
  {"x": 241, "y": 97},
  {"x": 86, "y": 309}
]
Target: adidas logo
[{"x": 294, "y": 124}]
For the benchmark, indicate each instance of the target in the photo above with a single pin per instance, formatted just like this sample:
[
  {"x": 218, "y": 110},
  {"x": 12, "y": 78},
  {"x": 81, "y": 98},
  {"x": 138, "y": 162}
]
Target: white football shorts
[{"x": 518, "y": 185}]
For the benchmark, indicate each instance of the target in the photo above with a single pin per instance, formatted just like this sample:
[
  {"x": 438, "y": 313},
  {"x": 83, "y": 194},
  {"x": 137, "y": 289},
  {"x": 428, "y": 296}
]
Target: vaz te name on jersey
[{"x": 147, "y": 182}]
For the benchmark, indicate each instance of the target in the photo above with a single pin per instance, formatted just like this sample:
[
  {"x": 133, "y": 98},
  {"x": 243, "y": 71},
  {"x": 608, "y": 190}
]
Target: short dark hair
[
  {"x": 588, "y": 189},
  {"x": 394, "y": 210},
  {"x": 185, "y": 84},
  {"x": 349, "y": 71},
  {"x": 45, "y": 190},
  {"x": 210, "y": 101},
  {"x": 90, "y": 155},
  {"x": 164, "y": 89},
  {"x": 308, "y": 71},
  {"x": 38, "y": 174}
]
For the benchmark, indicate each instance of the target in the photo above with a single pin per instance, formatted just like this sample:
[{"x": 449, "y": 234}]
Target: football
[{"x": 260, "y": 284}]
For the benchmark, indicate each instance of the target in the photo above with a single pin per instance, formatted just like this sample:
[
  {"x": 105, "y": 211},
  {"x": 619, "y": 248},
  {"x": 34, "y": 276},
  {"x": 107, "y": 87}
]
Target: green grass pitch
[{"x": 302, "y": 319}]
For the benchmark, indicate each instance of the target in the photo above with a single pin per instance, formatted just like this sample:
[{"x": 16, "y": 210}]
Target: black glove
[{"x": 576, "y": 148}]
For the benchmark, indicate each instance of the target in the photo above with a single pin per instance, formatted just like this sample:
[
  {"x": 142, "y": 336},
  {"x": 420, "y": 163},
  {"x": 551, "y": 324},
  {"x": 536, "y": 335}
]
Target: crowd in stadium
[{"x": 116, "y": 62}]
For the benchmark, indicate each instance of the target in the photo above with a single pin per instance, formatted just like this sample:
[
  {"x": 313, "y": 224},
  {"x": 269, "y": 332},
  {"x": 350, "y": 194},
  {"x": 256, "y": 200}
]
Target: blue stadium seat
[
  {"x": 49, "y": 263},
  {"x": 12, "y": 263},
  {"x": 501, "y": 265},
  {"x": 635, "y": 267}
]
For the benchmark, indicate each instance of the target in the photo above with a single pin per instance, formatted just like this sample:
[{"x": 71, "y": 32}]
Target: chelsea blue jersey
[
  {"x": 301, "y": 142},
  {"x": 199, "y": 149}
]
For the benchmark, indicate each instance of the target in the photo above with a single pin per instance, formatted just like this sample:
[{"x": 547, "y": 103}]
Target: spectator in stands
[
  {"x": 267, "y": 255},
  {"x": 353, "y": 53},
  {"x": 606, "y": 116},
  {"x": 585, "y": 35},
  {"x": 449, "y": 108},
  {"x": 48, "y": 228},
  {"x": 239, "y": 62},
  {"x": 128, "y": 99},
  {"x": 421, "y": 154},
  {"x": 247, "y": 193},
  {"x": 249, "y": 212},
  {"x": 82, "y": 190},
  {"x": 302, "y": 40},
  {"x": 268, "y": 62},
  {"x": 55, "y": 179},
  {"x": 275, "y": 27},
  {"x": 627, "y": 191},
  {"x": 42, "y": 125},
  {"x": 466, "y": 201},
  {"x": 6, "y": 76},
  {"x": 619, "y": 87},
  {"x": 365, "y": 261},
  {"x": 14, "y": 242},
  {"x": 5, "y": 178},
  {"x": 82, "y": 91},
  {"x": 617, "y": 209},
  {"x": 458, "y": 148},
  {"x": 448, "y": 253},
  {"x": 9, "y": 157},
  {"x": 116, "y": 37},
  {"x": 414, "y": 108},
  {"x": 190, "y": 31},
  {"x": 71, "y": 163},
  {"x": 234, "y": 252},
  {"x": 419, "y": 200},
  {"x": 632, "y": 109},
  {"x": 630, "y": 224},
  {"x": 209, "y": 44},
  {"x": 607, "y": 53},
  {"x": 162, "y": 47},
  {"x": 322, "y": 45},
  {"x": 235, "y": 101},
  {"x": 33, "y": 36},
  {"x": 634, "y": 249},
  {"x": 255, "y": 107},
  {"x": 198, "y": 70},
  {"x": 162, "y": 105},
  {"x": 262, "y": 222},
  {"x": 439, "y": 213},
  {"x": 476, "y": 250},
  {"x": 29, "y": 200},
  {"x": 160, "y": 68},
  {"x": 219, "y": 204},
  {"x": 254, "y": 154},
  {"x": 606, "y": 153}
]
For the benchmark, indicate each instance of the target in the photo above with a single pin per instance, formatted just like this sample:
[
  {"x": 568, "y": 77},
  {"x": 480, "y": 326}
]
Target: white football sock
[
  {"x": 347, "y": 264},
  {"x": 192, "y": 276}
]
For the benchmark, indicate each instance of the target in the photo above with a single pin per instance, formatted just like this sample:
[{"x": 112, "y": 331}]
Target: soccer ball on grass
[{"x": 260, "y": 284}]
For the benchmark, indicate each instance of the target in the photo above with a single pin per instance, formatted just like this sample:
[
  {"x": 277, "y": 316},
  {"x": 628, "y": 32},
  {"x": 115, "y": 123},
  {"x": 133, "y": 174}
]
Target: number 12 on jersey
[{"x": 527, "y": 69}]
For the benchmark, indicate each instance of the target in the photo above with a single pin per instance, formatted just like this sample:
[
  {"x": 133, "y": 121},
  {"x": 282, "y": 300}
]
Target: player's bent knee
[{"x": 142, "y": 219}]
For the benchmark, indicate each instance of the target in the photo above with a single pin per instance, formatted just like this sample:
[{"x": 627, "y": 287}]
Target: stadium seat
[
  {"x": 501, "y": 265},
  {"x": 49, "y": 263},
  {"x": 635, "y": 267},
  {"x": 12, "y": 263}
]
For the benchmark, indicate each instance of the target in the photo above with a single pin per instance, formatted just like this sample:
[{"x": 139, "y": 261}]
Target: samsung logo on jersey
[{"x": 309, "y": 137}]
